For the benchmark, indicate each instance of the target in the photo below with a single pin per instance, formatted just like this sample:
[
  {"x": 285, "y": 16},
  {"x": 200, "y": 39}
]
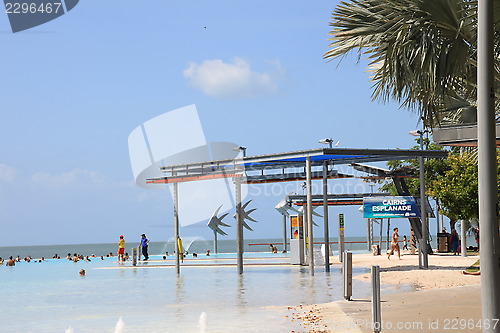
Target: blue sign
[{"x": 390, "y": 207}]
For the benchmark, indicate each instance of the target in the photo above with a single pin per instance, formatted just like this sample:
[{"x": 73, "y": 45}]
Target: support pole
[
  {"x": 380, "y": 235},
  {"x": 372, "y": 240},
  {"x": 347, "y": 275},
  {"x": 176, "y": 227},
  {"x": 284, "y": 234},
  {"x": 325, "y": 216},
  {"x": 341, "y": 237},
  {"x": 310, "y": 252},
  {"x": 215, "y": 242},
  {"x": 376, "y": 308},
  {"x": 369, "y": 226},
  {"x": 423, "y": 251},
  {"x": 304, "y": 230},
  {"x": 134, "y": 256},
  {"x": 438, "y": 218},
  {"x": 487, "y": 169},
  {"x": 239, "y": 225},
  {"x": 463, "y": 239},
  {"x": 388, "y": 240}
]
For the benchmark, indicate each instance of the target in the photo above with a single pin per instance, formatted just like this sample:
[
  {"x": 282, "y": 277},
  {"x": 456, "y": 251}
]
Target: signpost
[{"x": 341, "y": 237}]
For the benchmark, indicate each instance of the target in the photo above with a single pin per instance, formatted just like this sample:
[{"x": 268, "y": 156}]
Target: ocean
[
  {"x": 208, "y": 296},
  {"x": 191, "y": 244}
]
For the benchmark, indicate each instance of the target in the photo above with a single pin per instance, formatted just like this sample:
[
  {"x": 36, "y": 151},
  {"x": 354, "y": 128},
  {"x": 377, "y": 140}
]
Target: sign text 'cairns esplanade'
[{"x": 390, "y": 207}]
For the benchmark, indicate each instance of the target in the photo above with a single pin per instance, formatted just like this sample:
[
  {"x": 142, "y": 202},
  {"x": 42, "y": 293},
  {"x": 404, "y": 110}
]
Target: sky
[{"x": 73, "y": 89}]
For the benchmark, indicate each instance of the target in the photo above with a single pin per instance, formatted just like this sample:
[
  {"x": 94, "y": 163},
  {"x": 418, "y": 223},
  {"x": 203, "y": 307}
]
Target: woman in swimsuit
[{"x": 394, "y": 244}]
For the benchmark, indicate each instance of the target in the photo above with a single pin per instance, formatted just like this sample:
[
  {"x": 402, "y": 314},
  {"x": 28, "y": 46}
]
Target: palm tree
[{"x": 422, "y": 53}]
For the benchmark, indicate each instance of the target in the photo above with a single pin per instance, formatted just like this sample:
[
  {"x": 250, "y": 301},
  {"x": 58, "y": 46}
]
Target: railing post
[
  {"x": 347, "y": 274},
  {"x": 134, "y": 256},
  {"x": 376, "y": 310}
]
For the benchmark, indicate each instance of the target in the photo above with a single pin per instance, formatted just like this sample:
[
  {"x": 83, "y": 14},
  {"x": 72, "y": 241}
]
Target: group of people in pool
[{"x": 12, "y": 261}]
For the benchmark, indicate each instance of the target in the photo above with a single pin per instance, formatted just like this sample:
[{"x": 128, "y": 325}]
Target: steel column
[
  {"x": 423, "y": 251},
  {"x": 310, "y": 252},
  {"x": 347, "y": 275},
  {"x": 284, "y": 234},
  {"x": 325, "y": 216},
  {"x": 215, "y": 242},
  {"x": 239, "y": 225},
  {"x": 376, "y": 307},
  {"x": 463, "y": 239},
  {"x": 176, "y": 228},
  {"x": 487, "y": 169}
]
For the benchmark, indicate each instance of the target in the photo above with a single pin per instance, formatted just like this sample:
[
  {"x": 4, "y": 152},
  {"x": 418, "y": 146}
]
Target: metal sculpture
[
  {"x": 245, "y": 215},
  {"x": 214, "y": 223}
]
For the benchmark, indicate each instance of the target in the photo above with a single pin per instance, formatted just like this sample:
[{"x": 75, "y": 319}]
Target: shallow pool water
[{"x": 52, "y": 297}]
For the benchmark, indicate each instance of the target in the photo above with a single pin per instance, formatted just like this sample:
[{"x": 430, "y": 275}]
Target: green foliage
[
  {"x": 422, "y": 53},
  {"x": 432, "y": 168},
  {"x": 452, "y": 181},
  {"x": 457, "y": 187}
]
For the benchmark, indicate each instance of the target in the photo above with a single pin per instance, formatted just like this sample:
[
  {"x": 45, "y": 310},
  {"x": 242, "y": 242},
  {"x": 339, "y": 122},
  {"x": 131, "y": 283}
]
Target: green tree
[
  {"x": 432, "y": 169},
  {"x": 422, "y": 53},
  {"x": 457, "y": 187}
]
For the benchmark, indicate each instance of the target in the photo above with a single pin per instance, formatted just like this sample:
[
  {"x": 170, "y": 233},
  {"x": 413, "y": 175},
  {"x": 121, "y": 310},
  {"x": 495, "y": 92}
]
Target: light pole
[
  {"x": 241, "y": 148},
  {"x": 423, "y": 259},
  {"x": 327, "y": 141},
  {"x": 487, "y": 166}
]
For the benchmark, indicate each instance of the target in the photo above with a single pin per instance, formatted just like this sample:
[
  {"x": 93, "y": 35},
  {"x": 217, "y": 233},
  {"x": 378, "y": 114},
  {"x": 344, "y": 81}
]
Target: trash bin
[
  {"x": 376, "y": 250},
  {"x": 443, "y": 245}
]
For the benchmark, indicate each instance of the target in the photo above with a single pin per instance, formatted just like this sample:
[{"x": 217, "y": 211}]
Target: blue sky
[{"x": 73, "y": 89}]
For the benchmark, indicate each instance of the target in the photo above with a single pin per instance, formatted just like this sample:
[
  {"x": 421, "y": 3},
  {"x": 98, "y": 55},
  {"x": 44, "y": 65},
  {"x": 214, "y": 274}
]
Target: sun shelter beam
[{"x": 297, "y": 158}]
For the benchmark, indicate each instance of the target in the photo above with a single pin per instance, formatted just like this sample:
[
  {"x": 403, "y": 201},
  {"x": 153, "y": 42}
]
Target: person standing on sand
[
  {"x": 405, "y": 243},
  {"x": 121, "y": 248},
  {"x": 144, "y": 246},
  {"x": 454, "y": 242},
  {"x": 394, "y": 244}
]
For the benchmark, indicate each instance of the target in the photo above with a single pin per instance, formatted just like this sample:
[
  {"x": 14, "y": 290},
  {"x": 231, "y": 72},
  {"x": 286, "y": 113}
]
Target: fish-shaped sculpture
[
  {"x": 215, "y": 222},
  {"x": 245, "y": 215}
]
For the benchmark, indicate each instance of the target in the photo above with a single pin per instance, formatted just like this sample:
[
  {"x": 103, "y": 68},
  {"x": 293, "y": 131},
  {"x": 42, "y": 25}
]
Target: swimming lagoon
[{"x": 208, "y": 296}]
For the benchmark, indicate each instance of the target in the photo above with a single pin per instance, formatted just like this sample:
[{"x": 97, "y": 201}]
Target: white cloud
[
  {"x": 7, "y": 173},
  {"x": 235, "y": 79},
  {"x": 75, "y": 177}
]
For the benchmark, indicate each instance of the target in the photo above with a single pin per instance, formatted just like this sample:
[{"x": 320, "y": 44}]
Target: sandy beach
[{"x": 444, "y": 299}]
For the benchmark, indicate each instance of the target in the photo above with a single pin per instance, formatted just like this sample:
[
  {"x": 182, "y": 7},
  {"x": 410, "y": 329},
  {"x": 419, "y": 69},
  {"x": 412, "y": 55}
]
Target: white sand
[
  {"x": 444, "y": 295},
  {"x": 444, "y": 271}
]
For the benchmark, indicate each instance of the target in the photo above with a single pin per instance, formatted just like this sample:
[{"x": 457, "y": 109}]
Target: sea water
[
  {"x": 51, "y": 296},
  {"x": 191, "y": 244}
]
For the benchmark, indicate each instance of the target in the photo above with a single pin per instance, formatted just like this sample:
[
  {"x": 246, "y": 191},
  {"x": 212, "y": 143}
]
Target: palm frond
[{"x": 421, "y": 53}]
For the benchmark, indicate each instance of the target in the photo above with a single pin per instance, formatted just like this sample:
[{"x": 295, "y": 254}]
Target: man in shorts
[
  {"x": 121, "y": 248},
  {"x": 144, "y": 246}
]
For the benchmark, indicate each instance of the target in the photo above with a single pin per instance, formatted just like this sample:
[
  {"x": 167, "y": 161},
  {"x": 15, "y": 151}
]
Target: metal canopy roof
[
  {"x": 280, "y": 162},
  {"x": 332, "y": 199}
]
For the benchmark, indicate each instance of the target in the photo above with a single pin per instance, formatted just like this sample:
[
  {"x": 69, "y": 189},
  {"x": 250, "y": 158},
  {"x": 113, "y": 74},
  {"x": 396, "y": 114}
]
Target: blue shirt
[{"x": 144, "y": 241}]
